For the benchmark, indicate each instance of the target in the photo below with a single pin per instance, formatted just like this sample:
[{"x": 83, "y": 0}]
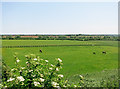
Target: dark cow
[
  {"x": 40, "y": 51},
  {"x": 104, "y": 52},
  {"x": 94, "y": 53}
]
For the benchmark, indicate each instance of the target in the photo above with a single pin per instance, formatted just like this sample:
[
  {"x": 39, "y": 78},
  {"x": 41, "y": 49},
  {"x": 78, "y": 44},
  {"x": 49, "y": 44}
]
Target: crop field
[{"x": 76, "y": 59}]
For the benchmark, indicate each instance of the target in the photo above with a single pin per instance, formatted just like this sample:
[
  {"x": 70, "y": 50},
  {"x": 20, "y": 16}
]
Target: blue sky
[{"x": 60, "y": 17}]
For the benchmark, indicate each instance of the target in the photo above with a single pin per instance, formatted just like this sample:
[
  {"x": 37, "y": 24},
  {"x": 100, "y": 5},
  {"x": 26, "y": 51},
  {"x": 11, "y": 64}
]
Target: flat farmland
[
  {"x": 55, "y": 42},
  {"x": 76, "y": 59}
]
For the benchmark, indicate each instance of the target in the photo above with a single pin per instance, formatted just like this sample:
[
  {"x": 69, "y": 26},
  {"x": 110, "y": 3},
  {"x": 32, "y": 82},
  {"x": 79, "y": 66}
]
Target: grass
[
  {"x": 76, "y": 59},
  {"x": 106, "y": 78},
  {"x": 55, "y": 42}
]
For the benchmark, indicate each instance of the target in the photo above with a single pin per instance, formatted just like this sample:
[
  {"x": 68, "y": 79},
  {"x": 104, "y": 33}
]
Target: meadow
[{"x": 76, "y": 59}]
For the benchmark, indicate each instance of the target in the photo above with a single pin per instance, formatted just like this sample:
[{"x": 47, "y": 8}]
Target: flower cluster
[{"x": 37, "y": 73}]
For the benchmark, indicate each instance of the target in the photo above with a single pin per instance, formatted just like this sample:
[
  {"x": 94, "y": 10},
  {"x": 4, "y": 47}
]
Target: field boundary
[
  {"x": 21, "y": 46},
  {"x": 43, "y": 46}
]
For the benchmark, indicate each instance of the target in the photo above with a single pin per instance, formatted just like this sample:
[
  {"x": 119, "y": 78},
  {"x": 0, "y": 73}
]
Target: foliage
[
  {"x": 37, "y": 73},
  {"x": 106, "y": 78},
  {"x": 5, "y": 71},
  {"x": 80, "y": 37}
]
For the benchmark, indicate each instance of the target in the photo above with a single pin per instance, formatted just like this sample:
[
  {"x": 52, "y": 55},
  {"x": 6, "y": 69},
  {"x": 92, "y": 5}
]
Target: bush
[{"x": 37, "y": 73}]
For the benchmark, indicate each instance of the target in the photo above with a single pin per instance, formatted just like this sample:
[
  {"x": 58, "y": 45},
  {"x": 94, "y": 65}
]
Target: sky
[{"x": 60, "y": 17}]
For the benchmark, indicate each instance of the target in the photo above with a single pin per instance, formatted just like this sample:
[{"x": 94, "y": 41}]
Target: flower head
[
  {"x": 81, "y": 77},
  {"x": 22, "y": 67},
  {"x": 64, "y": 86},
  {"x": 20, "y": 78},
  {"x": 75, "y": 86},
  {"x": 11, "y": 79},
  {"x": 42, "y": 80},
  {"x": 52, "y": 65},
  {"x": 34, "y": 75},
  {"x": 54, "y": 84},
  {"x": 18, "y": 60},
  {"x": 30, "y": 70},
  {"x": 5, "y": 86},
  {"x": 36, "y": 83},
  {"x": 13, "y": 69},
  {"x": 59, "y": 60},
  {"x": 41, "y": 75},
  {"x": 46, "y": 60},
  {"x": 35, "y": 59},
  {"x": 57, "y": 69},
  {"x": 50, "y": 68},
  {"x": 60, "y": 75}
]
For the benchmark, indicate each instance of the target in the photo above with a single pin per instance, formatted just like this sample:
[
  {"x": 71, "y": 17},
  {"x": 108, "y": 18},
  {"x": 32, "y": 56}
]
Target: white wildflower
[
  {"x": 34, "y": 75},
  {"x": 50, "y": 68},
  {"x": 75, "y": 86},
  {"x": 42, "y": 80},
  {"x": 64, "y": 86},
  {"x": 46, "y": 60},
  {"x": 59, "y": 60},
  {"x": 30, "y": 70},
  {"x": 35, "y": 59},
  {"x": 12, "y": 69},
  {"x": 37, "y": 63},
  {"x": 26, "y": 62},
  {"x": 20, "y": 78},
  {"x": 11, "y": 79},
  {"x": 20, "y": 71},
  {"x": 36, "y": 83},
  {"x": 54, "y": 84},
  {"x": 57, "y": 69},
  {"x": 22, "y": 67},
  {"x": 18, "y": 60},
  {"x": 60, "y": 75},
  {"x": 41, "y": 75},
  {"x": 81, "y": 76},
  {"x": 26, "y": 55},
  {"x": 51, "y": 65}
]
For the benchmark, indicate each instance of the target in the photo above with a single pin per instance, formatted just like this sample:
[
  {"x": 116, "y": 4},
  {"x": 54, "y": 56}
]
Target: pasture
[{"x": 76, "y": 59}]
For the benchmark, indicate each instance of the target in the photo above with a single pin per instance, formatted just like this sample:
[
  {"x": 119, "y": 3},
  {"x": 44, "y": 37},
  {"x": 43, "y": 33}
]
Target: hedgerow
[{"x": 36, "y": 73}]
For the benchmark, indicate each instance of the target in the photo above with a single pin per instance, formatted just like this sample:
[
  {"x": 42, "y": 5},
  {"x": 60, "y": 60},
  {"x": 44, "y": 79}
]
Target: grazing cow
[
  {"x": 94, "y": 53},
  {"x": 104, "y": 52},
  {"x": 40, "y": 51}
]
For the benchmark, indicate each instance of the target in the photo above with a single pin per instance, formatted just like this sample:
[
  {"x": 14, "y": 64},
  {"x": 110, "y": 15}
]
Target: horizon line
[{"x": 58, "y": 33}]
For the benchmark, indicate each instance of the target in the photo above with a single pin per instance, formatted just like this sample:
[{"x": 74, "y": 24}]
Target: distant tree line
[{"x": 78, "y": 37}]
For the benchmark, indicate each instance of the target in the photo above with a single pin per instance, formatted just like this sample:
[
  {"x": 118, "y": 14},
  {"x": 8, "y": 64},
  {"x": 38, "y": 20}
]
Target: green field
[
  {"x": 76, "y": 59},
  {"x": 56, "y": 42}
]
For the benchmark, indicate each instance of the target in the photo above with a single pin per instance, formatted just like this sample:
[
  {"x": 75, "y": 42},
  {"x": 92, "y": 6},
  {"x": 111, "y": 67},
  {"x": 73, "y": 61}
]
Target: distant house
[
  {"x": 29, "y": 36},
  {"x": 4, "y": 36}
]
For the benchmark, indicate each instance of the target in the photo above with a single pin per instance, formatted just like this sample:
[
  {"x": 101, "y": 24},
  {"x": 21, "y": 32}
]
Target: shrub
[{"x": 37, "y": 73}]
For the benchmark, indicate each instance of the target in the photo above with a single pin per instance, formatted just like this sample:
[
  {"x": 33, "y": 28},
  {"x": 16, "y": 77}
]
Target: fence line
[
  {"x": 43, "y": 46},
  {"x": 50, "y": 45}
]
